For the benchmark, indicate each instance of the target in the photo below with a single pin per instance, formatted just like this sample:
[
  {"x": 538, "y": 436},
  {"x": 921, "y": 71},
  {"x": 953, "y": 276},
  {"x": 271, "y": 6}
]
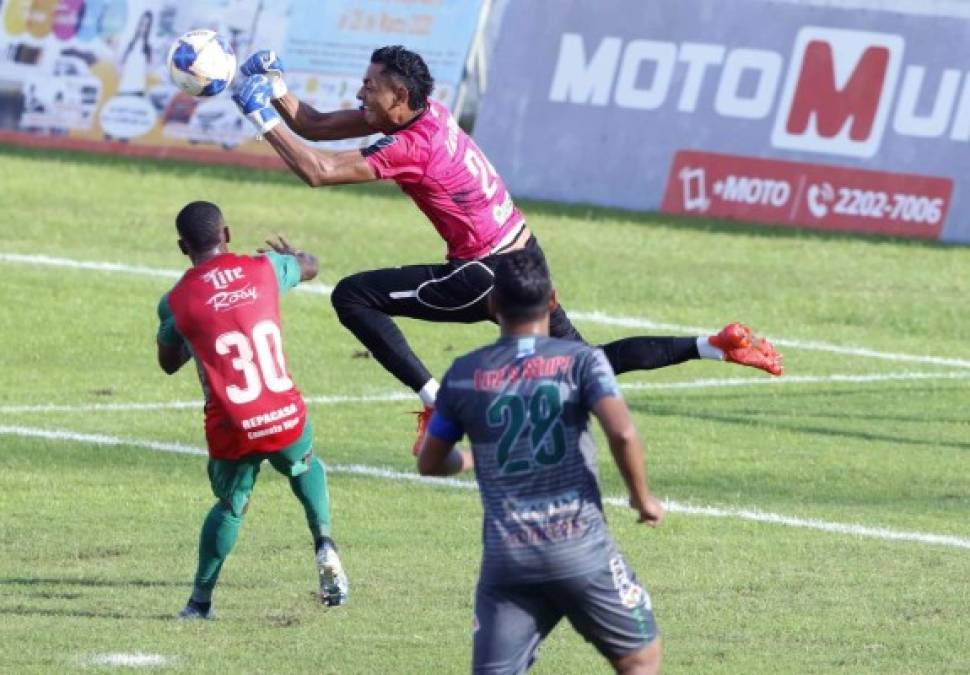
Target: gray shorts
[{"x": 608, "y": 607}]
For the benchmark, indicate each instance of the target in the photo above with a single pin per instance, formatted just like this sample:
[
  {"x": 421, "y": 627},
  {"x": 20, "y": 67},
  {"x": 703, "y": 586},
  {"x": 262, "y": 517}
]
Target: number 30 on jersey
[{"x": 259, "y": 357}]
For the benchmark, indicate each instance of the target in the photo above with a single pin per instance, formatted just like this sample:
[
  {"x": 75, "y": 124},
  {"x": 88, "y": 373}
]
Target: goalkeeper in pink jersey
[{"x": 449, "y": 178}]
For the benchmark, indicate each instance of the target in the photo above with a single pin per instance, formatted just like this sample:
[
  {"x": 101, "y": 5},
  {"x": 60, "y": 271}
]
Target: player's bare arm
[
  {"x": 441, "y": 458},
  {"x": 315, "y": 167},
  {"x": 614, "y": 417},
  {"x": 309, "y": 265},
  {"x": 309, "y": 123},
  {"x": 320, "y": 167},
  {"x": 302, "y": 118},
  {"x": 172, "y": 357}
]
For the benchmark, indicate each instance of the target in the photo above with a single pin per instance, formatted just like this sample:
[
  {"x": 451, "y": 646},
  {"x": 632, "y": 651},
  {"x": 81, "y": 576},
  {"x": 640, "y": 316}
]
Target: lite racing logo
[{"x": 226, "y": 298}]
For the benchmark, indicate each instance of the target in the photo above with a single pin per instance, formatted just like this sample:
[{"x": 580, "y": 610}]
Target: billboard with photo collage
[{"x": 91, "y": 74}]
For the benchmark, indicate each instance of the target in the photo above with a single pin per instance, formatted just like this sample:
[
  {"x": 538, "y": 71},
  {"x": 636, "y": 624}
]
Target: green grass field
[{"x": 864, "y": 446}]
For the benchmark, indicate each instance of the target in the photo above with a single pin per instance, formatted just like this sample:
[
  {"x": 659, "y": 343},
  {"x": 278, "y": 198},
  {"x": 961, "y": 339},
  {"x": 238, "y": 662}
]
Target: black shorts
[
  {"x": 608, "y": 607},
  {"x": 453, "y": 292}
]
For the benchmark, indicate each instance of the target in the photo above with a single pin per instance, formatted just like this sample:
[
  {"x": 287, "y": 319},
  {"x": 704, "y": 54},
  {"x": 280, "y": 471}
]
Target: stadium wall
[
  {"x": 851, "y": 115},
  {"x": 92, "y": 74}
]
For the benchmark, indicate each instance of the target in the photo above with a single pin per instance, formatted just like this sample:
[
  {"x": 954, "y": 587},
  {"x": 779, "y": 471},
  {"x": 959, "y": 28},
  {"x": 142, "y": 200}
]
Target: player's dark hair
[
  {"x": 409, "y": 69},
  {"x": 200, "y": 224},
  {"x": 522, "y": 286}
]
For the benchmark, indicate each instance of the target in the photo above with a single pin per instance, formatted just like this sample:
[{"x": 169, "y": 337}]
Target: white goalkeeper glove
[
  {"x": 253, "y": 96},
  {"x": 266, "y": 62}
]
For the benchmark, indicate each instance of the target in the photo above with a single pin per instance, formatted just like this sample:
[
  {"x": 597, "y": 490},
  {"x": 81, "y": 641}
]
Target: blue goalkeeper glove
[
  {"x": 266, "y": 62},
  {"x": 253, "y": 96}
]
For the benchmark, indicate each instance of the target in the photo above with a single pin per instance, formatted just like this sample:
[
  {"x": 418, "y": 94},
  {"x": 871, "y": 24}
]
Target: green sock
[
  {"x": 310, "y": 488},
  {"x": 219, "y": 532}
]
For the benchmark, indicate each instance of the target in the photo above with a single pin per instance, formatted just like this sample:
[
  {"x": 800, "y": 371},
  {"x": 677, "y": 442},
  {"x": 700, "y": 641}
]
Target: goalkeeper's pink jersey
[{"x": 449, "y": 178}]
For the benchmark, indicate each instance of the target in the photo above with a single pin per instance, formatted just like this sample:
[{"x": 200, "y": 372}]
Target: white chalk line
[
  {"x": 395, "y": 396},
  {"x": 96, "y": 266},
  {"x": 189, "y": 405},
  {"x": 591, "y": 317},
  {"x": 850, "y": 529},
  {"x": 796, "y": 379},
  {"x": 812, "y": 345},
  {"x": 126, "y": 660}
]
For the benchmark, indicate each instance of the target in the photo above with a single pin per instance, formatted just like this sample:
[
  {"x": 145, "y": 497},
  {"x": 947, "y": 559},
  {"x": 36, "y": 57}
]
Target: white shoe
[{"x": 334, "y": 588}]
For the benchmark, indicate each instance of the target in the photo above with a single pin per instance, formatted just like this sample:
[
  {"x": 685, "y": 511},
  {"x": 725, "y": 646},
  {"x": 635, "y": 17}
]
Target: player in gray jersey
[{"x": 525, "y": 402}]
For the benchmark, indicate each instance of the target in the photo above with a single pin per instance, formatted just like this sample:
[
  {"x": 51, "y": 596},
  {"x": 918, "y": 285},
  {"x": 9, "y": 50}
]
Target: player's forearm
[
  {"x": 458, "y": 461},
  {"x": 320, "y": 167},
  {"x": 614, "y": 416},
  {"x": 310, "y": 166},
  {"x": 454, "y": 462},
  {"x": 172, "y": 358},
  {"x": 289, "y": 109},
  {"x": 309, "y": 123},
  {"x": 628, "y": 454},
  {"x": 309, "y": 265}
]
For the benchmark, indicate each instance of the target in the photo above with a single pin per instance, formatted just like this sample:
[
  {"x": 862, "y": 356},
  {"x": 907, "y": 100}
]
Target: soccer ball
[{"x": 201, "y": 63}]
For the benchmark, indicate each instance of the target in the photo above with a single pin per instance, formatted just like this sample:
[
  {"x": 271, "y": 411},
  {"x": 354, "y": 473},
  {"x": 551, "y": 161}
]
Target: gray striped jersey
[{"x": 524, "y": 404}]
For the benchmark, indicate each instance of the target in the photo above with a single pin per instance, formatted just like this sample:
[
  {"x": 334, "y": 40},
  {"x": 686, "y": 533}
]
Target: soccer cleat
[
  {"x": 193, "y": 611},
  {"x": 741, "y": 346},
  {"x": 334, "y": 587},
  {"x": 424, "y": 418}
]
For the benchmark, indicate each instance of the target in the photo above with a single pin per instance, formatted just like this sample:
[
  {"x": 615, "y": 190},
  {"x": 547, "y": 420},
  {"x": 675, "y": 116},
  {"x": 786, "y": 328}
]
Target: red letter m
[{"x": 818, "y": 94}]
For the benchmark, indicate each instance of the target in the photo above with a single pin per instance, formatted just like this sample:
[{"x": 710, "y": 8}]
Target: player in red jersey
[
  {"x": 449, "y": 178},
  {"x": 225, "y": 313}
]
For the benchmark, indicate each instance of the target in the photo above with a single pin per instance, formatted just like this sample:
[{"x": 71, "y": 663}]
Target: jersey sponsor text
[
  {"x": 272, "y": 416},
  {"x": 224, "y": 300},
  {"x": 530, "y": 369}
]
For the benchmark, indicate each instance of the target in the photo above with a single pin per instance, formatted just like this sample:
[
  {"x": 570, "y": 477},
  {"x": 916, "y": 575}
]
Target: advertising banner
[
  {"x": 92, "y": 74},
  {"x": 327, "y": 46},
  {"x": 812, "y": 116}
]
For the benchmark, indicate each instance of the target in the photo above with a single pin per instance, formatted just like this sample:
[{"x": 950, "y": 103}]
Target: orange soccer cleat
[
  {"x": 741, "y": 346},
  {"x": 424, "y": 417}
]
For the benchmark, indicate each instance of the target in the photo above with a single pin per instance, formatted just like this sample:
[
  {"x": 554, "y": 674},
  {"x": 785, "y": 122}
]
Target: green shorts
[{"x": 232, "y": 480}]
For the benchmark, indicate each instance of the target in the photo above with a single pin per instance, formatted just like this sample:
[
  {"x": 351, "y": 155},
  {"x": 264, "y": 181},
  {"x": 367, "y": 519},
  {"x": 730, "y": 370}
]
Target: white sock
[
  {"x": 709, "y": 351},
  {"x": 429, "y": 392}
]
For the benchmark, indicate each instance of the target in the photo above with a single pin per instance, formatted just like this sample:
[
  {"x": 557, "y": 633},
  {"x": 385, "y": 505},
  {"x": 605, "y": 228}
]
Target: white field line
[
  {"x": 89, "y": 265},
  {"x": 393, "y": 396},
  {"x": 795, "y": 379},
  {"x": 190, "y": 405},
  {"x": 95, "y": 266},
  {"x": 135, "y": 660},
  {"x": 814, "y": 345},
  {"x": 591, "y": 317},
  {"x": 849, "y": 529}
]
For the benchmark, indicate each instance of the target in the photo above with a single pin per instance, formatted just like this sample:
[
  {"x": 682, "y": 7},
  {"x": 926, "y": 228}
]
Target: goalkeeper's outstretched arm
[
  {"x": 313, "y": 125},
  {"x": 302, "y": 118},
  {"x": 315, "y": 167},
  {"x": 319, "y": 167}
]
